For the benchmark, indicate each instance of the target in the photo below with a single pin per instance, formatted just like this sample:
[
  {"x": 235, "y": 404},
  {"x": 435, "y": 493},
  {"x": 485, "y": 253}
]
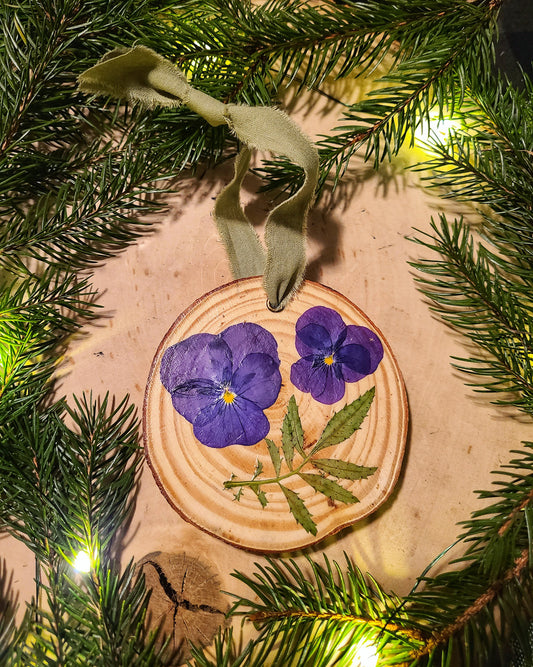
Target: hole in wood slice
[{"x": 191, "y": 475}]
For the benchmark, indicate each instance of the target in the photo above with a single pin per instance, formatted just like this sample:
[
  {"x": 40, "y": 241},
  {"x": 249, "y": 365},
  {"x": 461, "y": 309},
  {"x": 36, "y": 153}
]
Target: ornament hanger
[{"x": 140, "y": 74}]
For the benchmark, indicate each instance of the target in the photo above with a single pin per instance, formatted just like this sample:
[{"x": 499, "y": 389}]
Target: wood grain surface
[
  {"x": 185, "y": 601},
  {"x": 192, "y": 476},
  {"x": 358, "y": 244}
]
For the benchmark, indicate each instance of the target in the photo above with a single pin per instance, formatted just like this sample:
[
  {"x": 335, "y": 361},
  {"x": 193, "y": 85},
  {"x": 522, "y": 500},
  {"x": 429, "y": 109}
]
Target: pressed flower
[
  {"x": 332, "y": 353},
  {"x": 223, "y": 383}
]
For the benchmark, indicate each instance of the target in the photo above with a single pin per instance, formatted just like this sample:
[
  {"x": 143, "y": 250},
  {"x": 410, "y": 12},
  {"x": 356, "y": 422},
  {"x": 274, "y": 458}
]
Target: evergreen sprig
[
  {"x": 480, "y": 280},
  {"x": 69, "y": 489},
  {"x": 421, "y": 80},
  {"x": 487, "y": 305},
  {"x": 484, "y": 602},
  {"x": 70, "y": 189},
  {"x": 316, "y": 615},
  {"x": 74, "y": 177},
  {"x": 237, "y": 52},
  {"x": 314, "y": 471},
  {"x": 320, "y": 614}
]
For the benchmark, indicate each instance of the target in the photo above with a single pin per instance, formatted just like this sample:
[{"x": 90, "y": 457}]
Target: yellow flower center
[
  {"x": 328, "y": 360},
  {"x": 228, "y": 396}
]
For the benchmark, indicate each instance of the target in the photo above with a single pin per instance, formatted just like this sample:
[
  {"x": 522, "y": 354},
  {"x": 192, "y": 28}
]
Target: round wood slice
[
  {"x": 186, "y": 603},
  {"x": 192, "y": 476}
]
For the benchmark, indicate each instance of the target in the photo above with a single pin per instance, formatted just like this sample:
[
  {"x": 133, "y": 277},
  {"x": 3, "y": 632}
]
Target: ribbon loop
[{"x": 140, "y": 74}]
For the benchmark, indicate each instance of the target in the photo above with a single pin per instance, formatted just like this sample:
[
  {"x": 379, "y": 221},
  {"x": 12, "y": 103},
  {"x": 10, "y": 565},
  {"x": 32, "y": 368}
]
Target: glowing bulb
[
  {"x": 437, "y": 129},
  {"x": 365, "y": 655},
  {"x": 82, "y": 562}
]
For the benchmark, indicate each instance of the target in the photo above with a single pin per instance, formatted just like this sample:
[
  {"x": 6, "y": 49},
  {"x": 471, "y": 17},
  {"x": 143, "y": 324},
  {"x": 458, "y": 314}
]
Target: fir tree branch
[
  {"x": 417, "y": 84},
  {"x": 9, "y": 634},
  {"x": 279, "y": 42},
  {"x": 341, "y": 607},
  {"x": 486, "y": 599},
  {"x": 74, "y": 487},
  {"x": 293, "y": 615},
  {"x": 86, "y": 186},
  {"x": 493, "y": 574},
  {"x": 484, "y": 289},
  {"x": 471, "y": 293},
  {"x": 479, "y": 162}
]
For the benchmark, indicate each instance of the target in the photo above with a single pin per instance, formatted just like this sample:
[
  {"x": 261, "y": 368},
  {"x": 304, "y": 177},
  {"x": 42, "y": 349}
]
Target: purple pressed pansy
[
  {"x": 222, "y": 383},
  {"x": 333, "y": 353}
]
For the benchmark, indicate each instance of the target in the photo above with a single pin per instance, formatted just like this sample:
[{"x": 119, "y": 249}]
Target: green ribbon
[{"x": 139, "y": 74}]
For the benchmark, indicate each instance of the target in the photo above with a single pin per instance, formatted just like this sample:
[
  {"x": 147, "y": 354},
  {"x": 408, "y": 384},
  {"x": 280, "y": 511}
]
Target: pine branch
[
  {"x": 490, "y": 307},
  {"x": 488, "y": 161},
  {"x": 239, "y": 53},
  {"x": 316, "y": 616},
  {"x": 37, "y": 314},
  {"x": 59, "y": 474},
  {"x": 487, "y": 596},
  {"x": 483, "y": 289},
  {"x": 464, "y": 616},
  {"x": 9, "y": 634},
  {"x": 86, "y": 187},
  {"x": 72, "y": 487},
  {"x": 115, "y": 605},
  {"x": 419, "y": 81}
]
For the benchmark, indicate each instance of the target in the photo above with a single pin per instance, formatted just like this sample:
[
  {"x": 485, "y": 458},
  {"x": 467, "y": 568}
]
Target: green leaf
[
  {"x": 329, "y": 488},
  {"x": 295, "y": 426},
  {"x": 299, "y": 510},
  {"x": 292, "y": 435},
  {"x": 345, "y": 422},
  {"x": 261, "y": 495},
  {"x": 258, "y": 468},
  {"x": 287, "y": 441},
  {"x": 274, "y": 455},
  {"x": 343, "y": 469}
]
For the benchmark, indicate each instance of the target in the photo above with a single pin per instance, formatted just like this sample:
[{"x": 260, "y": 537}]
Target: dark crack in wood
[{"x": 185, "y": 600}]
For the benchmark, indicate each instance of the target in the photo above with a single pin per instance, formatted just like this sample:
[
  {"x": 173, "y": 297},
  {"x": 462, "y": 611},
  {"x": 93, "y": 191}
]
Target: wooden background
[{"x": 358, "y": 245}]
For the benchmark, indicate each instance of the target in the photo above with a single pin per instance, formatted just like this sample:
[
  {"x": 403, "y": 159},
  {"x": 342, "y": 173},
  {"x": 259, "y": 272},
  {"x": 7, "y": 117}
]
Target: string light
[
  {"x": 365, "y": 655},
  {"x": 437, "y": 129},
  {"x": 82, "y": 562}
]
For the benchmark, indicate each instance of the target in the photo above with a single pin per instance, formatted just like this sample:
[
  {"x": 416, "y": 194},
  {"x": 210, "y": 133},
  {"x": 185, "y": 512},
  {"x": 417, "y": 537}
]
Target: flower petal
[
  {"x": 327, "y": 318},
  {"x": 239, "y": 423},
  {"x": 194, "y": 398},
  {"x": 333, "y": 389},
  {"x": 313, "y": 339},
  {"x": 304, "y": 374},
  {"x": 193, "y": 369},
  {"x": 257, "y": 379},
  {"x": 354, "y": 366},
  {"x": 354, "y": 361},
  {"x": 202, "y": 356},
  {"x": 246, "y": 338},
  {"x": 319, "y": 380}
]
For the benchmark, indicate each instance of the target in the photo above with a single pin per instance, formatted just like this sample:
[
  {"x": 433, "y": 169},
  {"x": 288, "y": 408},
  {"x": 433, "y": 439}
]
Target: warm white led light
[
  {"x": 365, "y": 655},
  {"x": 82, "y": 562},
  {"x": 437, "y": 129}
]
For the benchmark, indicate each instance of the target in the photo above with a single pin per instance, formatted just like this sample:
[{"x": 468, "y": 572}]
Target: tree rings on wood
[
  {"x": 185, "y": 601},
  {"x": 192, "y": 475}
]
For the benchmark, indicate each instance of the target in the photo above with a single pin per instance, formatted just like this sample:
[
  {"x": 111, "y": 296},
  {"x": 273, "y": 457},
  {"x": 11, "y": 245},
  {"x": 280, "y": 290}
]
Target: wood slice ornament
[
  {"x": 267, "y": 429},
  {"x": 229, "y": 371}
]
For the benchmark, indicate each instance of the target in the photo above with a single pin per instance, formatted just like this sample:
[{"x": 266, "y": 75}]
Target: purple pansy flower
[
  {"x": 222, "y": 383},
  {"x": 333, "y": 353}
]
